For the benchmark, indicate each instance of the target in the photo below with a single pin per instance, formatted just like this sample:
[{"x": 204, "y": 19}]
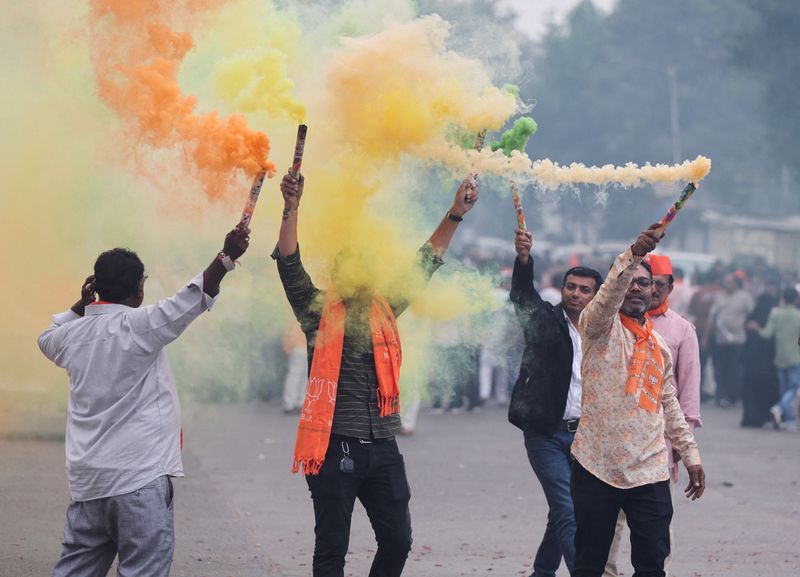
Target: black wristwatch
[{"x": 454, "y": 217}]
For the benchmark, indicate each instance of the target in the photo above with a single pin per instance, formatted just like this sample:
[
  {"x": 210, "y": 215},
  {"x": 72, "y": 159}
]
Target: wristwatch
[
  {"x": 454, "y": 217},
  {"x": 226, "y": 261}
]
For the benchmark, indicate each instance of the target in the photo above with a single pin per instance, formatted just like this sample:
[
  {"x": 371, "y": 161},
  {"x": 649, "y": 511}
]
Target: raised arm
[
  {"x": 523, "y": 294},
  {"x": 300, "y": 290},
  {"x": 465, "y": 199},
  {"x": 235, "y": 245},
  {"x": 292, "y": 190},
  {"x": 48, "y": 343},
  {"x": 405, "y": 288},
  {"x": 598, "y": 316},
  {"x": 162, "y": 322}
]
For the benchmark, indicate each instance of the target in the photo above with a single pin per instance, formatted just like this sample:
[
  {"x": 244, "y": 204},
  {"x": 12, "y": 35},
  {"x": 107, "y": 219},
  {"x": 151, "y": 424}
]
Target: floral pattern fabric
[{"x": 617, "y": 441}]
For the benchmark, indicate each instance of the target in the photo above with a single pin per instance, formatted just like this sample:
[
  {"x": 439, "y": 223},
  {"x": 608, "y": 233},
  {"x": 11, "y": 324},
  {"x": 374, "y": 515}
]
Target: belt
[
  {"x": 569, "y": 426},
  {"x": 350, "y": 439}
]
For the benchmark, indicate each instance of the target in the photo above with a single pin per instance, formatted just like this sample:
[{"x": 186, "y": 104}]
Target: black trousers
[
  {"x": 379, "y": 481},
  {"x": 597, "y": 505}
]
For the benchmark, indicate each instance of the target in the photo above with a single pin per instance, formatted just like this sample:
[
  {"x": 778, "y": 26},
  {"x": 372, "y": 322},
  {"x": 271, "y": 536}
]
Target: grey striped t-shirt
[{"x": 356, "y": 413}]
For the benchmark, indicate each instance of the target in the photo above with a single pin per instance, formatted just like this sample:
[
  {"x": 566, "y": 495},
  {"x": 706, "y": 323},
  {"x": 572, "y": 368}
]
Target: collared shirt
[
  {"x": 783, "y": 323},
  {"x": 356, "y": 413},
  {"x": 681, "y": 337},
  {"x": 573, "y": 407},
  {"x": 123, "y": 416},
  {"x": 617, "y": 441}
]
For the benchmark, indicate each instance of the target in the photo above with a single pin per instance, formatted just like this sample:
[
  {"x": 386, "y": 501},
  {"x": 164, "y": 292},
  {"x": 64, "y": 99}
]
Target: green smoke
[
  {"x": 460, "y": 136},
  {"x": 512, "y": 89},
  {"x": 517, "y": 137}
]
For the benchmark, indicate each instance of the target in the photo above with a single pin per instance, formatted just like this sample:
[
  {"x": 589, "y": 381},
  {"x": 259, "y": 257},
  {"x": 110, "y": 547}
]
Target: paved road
[{"x": 476, "y": 506}]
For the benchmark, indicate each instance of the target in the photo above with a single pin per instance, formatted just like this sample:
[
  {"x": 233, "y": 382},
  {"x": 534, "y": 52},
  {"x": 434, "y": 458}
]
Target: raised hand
[
  {"x": 647, "y": 240},
  {"x": 466, "y": 196},
  {"x": 237, "y": 241},
  {"x": 523, "y": 241},
  {"x": 292, "y": 190}
]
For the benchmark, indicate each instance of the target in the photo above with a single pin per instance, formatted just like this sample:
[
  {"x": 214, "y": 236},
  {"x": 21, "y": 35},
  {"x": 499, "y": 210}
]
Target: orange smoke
[{"x": 136, "y": 56}]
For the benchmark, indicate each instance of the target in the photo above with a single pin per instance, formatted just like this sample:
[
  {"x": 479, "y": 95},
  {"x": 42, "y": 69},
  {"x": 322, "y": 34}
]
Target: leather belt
[{"x": 569, "y": 426}]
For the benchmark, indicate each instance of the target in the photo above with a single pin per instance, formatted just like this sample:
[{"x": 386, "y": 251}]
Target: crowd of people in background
[{"x": 744, "y": 360}]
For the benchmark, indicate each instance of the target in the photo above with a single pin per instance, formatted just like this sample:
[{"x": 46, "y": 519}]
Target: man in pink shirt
[{"x": 681, "y": 337}]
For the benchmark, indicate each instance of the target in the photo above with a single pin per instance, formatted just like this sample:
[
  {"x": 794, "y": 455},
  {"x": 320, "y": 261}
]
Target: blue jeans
[
  {"x": 788, "y": 382},
  {"x": 551, "y": 461}
]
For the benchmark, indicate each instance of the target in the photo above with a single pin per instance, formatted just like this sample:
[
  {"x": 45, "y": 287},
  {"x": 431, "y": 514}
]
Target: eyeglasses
[
  {"x": 642, "y": 281},
  {"x": 661, "y": 283}
]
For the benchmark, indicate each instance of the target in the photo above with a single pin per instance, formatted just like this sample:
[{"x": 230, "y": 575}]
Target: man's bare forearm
[{"x": 287, "y": 237}]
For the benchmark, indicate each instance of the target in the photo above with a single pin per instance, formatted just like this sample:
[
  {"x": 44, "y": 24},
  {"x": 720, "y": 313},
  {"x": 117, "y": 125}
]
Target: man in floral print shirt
[{"x": 628, "y": 404}]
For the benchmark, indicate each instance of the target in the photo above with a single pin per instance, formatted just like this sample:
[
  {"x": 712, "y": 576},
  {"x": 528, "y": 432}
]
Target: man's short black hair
[
  {"x": 585, "y": 272},
  {"x": 117, "y": 273},
  {"x": 789, "y": 295}
]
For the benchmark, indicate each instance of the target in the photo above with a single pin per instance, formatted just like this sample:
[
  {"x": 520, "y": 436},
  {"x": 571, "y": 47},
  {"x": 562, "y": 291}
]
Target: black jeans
[
  {"x": 597, "y": 504},
  {"x": 379, "y": 481}
]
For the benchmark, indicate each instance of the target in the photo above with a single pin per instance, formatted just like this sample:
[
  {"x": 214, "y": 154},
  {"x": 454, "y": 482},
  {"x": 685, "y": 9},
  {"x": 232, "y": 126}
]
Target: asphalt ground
[{"x": 476, "y": 507}]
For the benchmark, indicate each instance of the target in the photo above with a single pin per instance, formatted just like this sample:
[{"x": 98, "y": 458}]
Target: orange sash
[
  {"x": 659, "y": 310},
  {"x": 646, "y": 369},
  {"x": 316, "y": 418}
]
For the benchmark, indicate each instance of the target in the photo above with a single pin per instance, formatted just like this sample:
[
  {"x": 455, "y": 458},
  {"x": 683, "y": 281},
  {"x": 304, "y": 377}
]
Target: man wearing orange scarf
[
  {"x": 345, "y": 443},
  {"x": 629, "y": 402},
  {"x": 684, "y": 347}
]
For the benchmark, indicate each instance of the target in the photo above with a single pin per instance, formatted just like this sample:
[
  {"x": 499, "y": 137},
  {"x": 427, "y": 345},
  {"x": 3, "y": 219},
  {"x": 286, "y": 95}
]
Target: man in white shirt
[
  {"x": 123, "y": 438},
  {"x": 546, "y": 400}
]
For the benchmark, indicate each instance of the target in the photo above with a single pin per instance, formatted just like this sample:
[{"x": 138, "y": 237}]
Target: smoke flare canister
[
  {"x": 480, "y": 138},
  {"x": 673, "y": 210},
  {"x": 299, "y": 145},
  {"x": 252, "y": 199},
  {"x": 518, "y": 207}
]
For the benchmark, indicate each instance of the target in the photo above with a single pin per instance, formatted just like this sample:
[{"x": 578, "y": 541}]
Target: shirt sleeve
[
  {"x": 769, "y": 329},
  {"x": 675, "y": 425},
  {"x": 155, "y": 326},
  {"x": 406, "y": 289},
  {"x": 49, "y": 341},
  {"x": 598, "y": 317},
  {"x": 688, "y": 377},
  {"x": 523, "y": 294},
  {"x": 304, "y": 298}
]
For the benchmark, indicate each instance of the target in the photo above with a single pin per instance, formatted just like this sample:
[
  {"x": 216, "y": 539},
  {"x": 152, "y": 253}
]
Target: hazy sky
[{"x": 536, "y": 14}]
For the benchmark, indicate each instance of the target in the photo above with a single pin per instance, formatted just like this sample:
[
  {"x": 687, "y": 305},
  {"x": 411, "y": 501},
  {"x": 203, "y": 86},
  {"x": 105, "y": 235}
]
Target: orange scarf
[
  {"x": 316, "y": 418},
  {"x": 646, "y": 369},
  {"x": 659, "y": 310}
]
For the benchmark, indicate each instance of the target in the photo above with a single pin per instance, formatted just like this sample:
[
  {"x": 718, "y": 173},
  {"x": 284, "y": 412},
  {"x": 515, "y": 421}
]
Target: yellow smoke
[
  {"x": 262, "y": 43},
  {"x": 377, "y": 87},
  {"x": 401, "y": 88}
]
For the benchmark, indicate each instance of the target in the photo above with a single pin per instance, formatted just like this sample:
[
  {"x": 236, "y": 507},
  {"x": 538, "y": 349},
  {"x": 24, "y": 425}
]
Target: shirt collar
[
  {"x": 569, "y": 322},
  {"x": 105, "y": 309}
]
